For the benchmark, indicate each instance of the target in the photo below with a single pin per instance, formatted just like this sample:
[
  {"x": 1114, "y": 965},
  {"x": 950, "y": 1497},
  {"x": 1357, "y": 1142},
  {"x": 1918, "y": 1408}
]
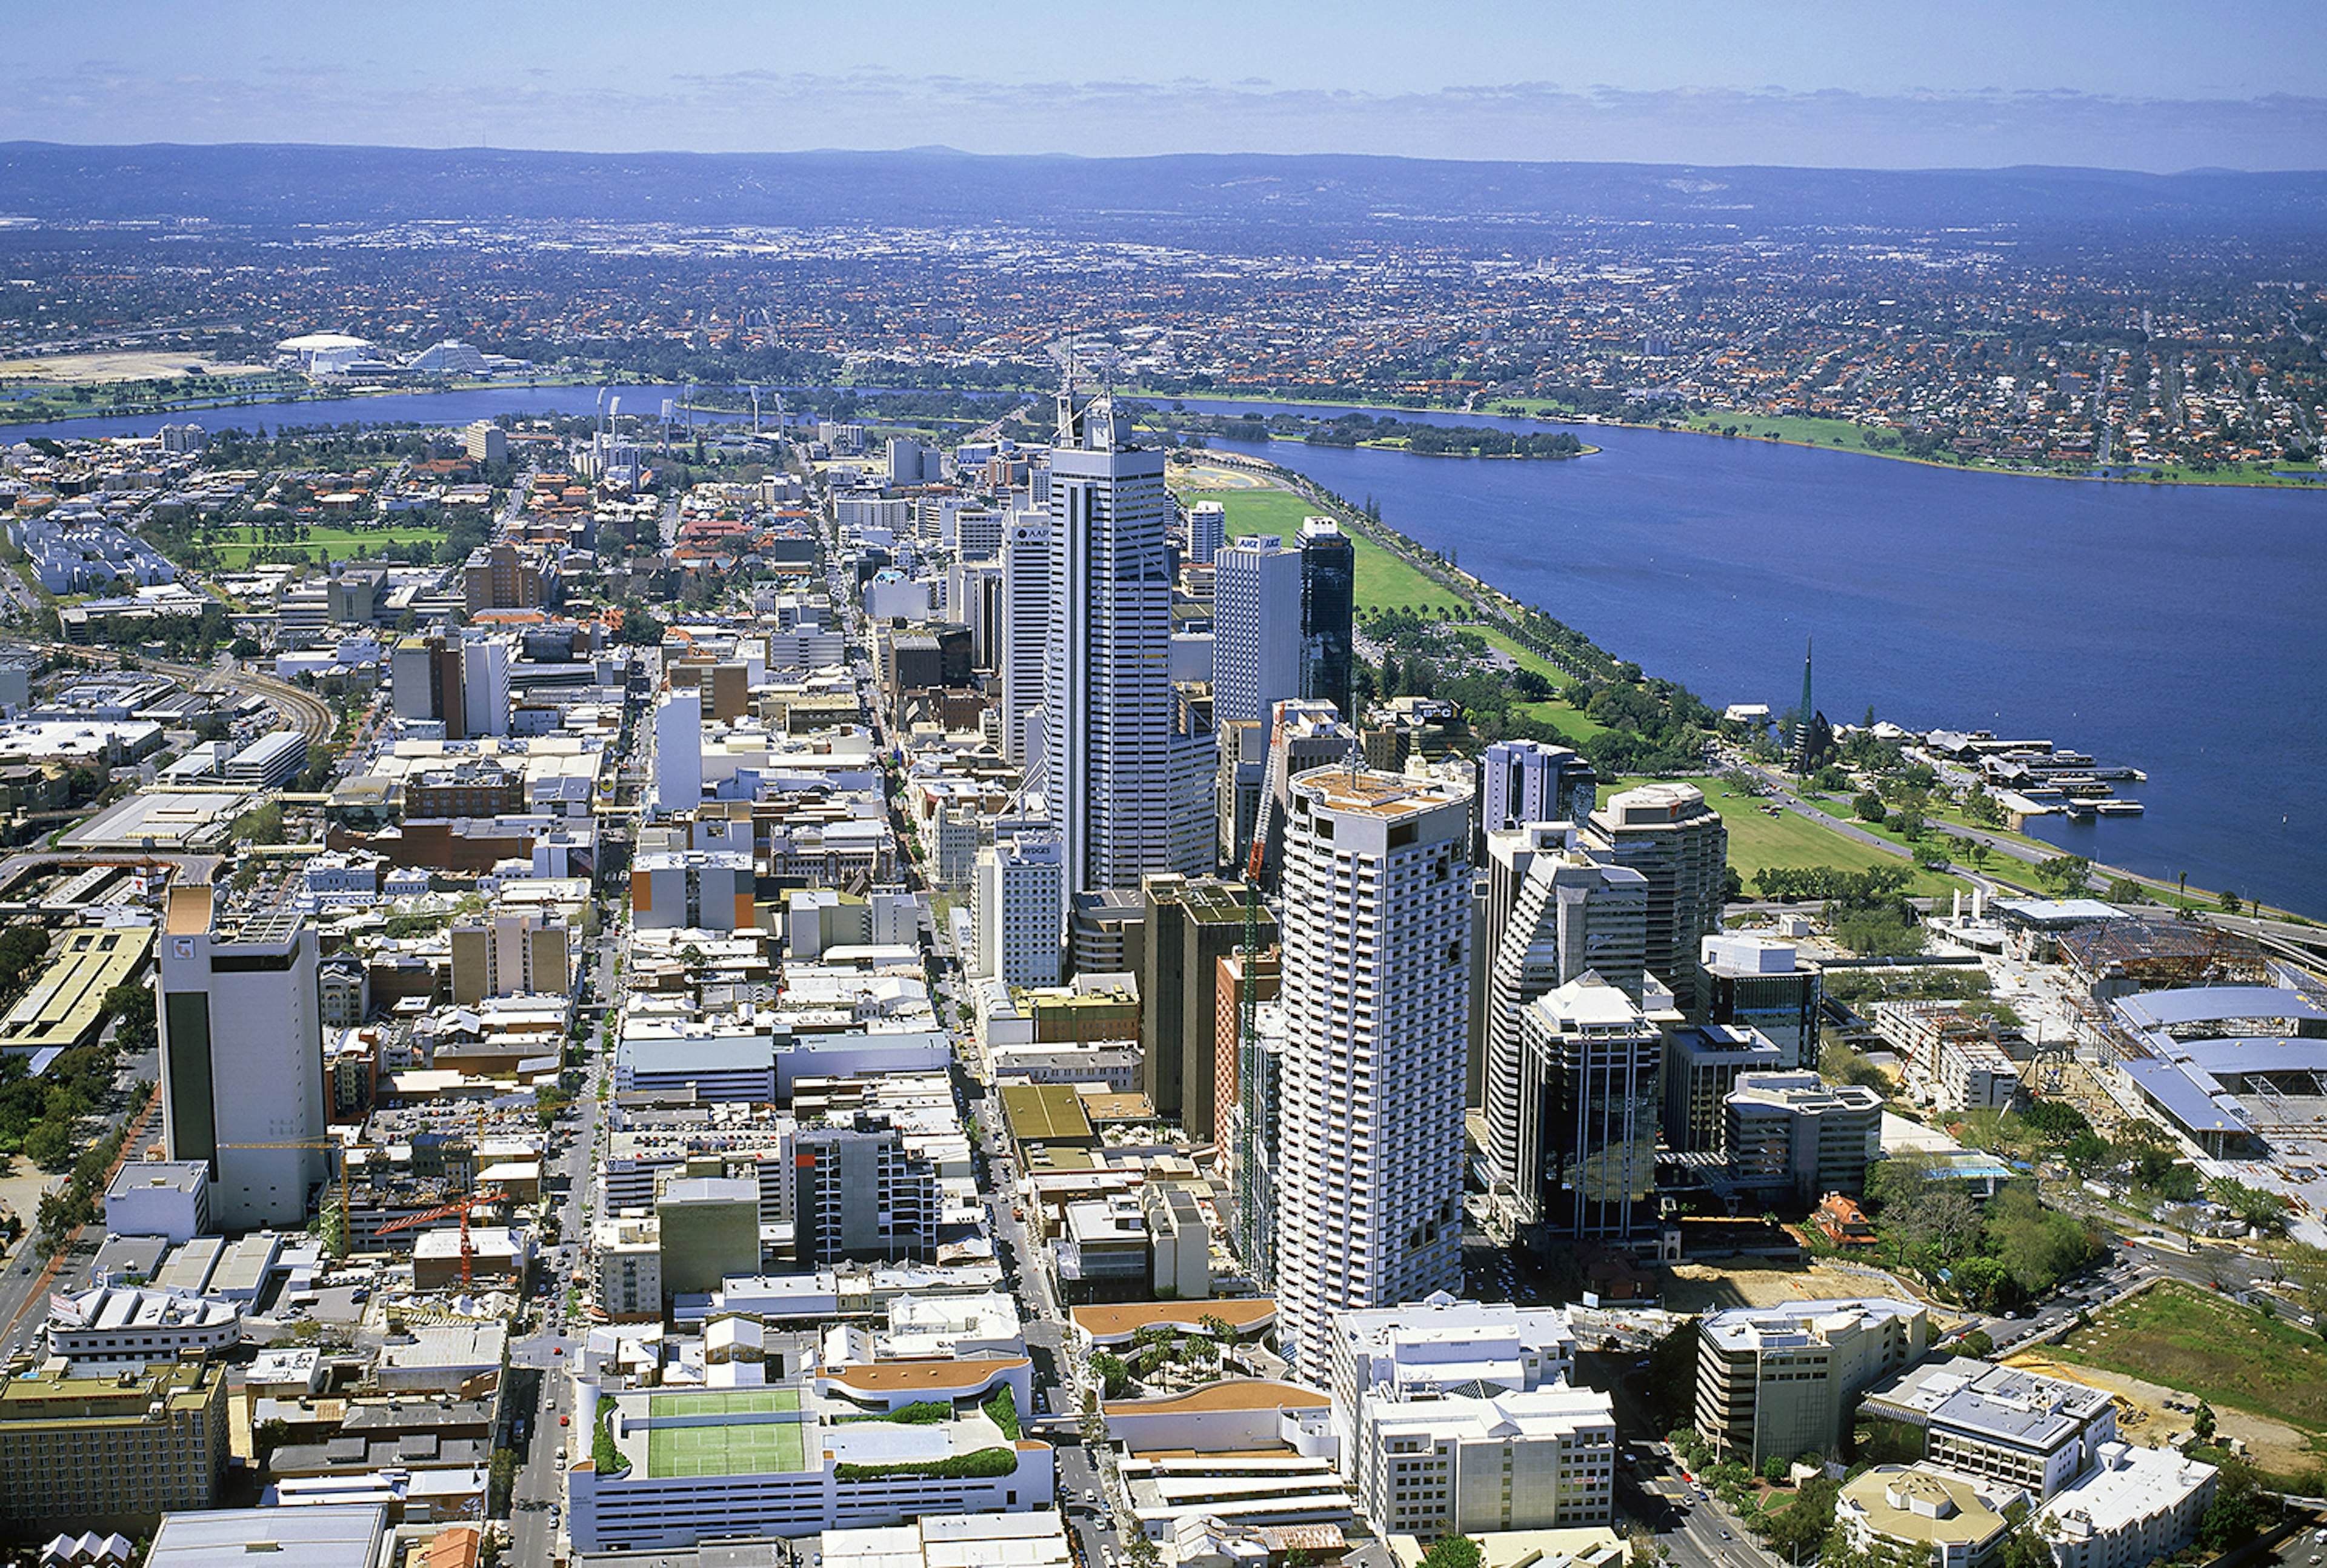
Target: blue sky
[{"x": 1880, "y": 83}]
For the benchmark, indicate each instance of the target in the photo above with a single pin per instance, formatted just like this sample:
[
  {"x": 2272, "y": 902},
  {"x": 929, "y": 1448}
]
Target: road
[{"x": 538, "y": 1501}]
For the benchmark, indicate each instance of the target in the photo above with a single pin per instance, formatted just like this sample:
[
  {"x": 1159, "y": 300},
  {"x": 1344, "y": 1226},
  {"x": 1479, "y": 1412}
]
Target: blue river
[{"x": 2180, "y": 629}]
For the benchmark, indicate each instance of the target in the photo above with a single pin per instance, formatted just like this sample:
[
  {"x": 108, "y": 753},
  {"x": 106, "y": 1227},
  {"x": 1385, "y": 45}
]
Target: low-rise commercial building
[
  {"x": 2000, "y": 1425},
  {"x": 1795, "y": 1135},
  {"x": 109, "y": 1328},
  {"x": 1913, "y": 1509}
]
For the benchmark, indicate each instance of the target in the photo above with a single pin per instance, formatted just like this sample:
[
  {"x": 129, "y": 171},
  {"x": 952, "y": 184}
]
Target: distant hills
[{"x": 270, "y": 186}]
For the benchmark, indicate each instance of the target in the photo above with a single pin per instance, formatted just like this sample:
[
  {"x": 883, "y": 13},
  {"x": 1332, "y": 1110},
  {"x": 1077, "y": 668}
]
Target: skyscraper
[
  {"x": 1588, "y": 1097},
  {"x": 1522, "y": 782},
  {"x": 1208, "y": 530},
  {"x": 1553, "y": 915},
  {"x": 1256, "y": 645},
  {"x": 1376, "y": 993},
  {"x": 1115, "y": 762},
  {"x": 1668, "y": 833},
  {"x": 242, "y": 1057},
  {"x": 1329, "y": 601},
  {"x": 1025, "y": 634}
]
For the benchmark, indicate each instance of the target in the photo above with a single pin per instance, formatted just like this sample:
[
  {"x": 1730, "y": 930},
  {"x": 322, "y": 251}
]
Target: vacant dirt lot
[
  {"x": 2143, "y": 1417},
  {"x": 1707, "y": 1287},
  {"x": 125, "y": 365}
]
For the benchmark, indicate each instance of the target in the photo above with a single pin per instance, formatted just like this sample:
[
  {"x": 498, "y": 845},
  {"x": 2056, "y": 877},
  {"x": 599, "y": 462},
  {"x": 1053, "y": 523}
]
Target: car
[
  {"x": 1724, "y": 1535},
  {"x": 557, "y": 1349},
  {"x": 565, "y": 1420}
]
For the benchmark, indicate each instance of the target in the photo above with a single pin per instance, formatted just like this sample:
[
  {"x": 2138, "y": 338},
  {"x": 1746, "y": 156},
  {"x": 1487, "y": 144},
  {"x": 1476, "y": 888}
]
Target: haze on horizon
[{"x": 2140, "y": 84}]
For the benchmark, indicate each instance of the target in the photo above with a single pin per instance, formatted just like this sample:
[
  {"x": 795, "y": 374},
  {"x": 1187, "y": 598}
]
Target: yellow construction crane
[{"x": 347, "y": 1224}]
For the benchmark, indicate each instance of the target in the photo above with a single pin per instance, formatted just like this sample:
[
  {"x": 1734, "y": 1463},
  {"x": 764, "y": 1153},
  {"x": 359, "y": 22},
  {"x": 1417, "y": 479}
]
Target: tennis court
[{"x": 739, "y": 1446}]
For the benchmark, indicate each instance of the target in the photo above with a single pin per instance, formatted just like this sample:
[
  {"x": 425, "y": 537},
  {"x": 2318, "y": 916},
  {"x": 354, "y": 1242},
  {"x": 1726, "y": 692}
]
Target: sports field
[{"x": 735, "y": 1447}]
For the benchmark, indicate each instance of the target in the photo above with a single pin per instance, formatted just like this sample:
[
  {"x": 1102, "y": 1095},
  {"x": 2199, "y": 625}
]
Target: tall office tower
[
  {"x": 1375, "y": 991},
  {"x": 242, "y": 1057},
  {"x": 1244, "y": 763},
  {"x": 1256, "y": 627},
  {"x": 679, "y": 750},
  {"x": 1208, "y": 530},
  {"x": 1329, "y": 603},
  {"x": 1025, "y": 633},
  {"x": 1109, "y": 739},
  {"x": 1522, "y": 782},
  {"x": 1192, "y": 926},
  {"x": 1302, "y": 736},
  {"x": 1553, "y": 913},
  {"x": 1668, "y": 833},
  {"x": 974, "y": 598},
  {"x": 1588, "y": 1112},
  {"x": 485, "y": 686},
  {"x": 1017, "y": 919}
]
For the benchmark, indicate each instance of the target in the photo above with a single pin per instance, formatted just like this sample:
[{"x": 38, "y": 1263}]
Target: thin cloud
[{"x": 759, "y": 109}]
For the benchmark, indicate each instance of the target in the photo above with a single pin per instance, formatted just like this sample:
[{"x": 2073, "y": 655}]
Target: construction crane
[
  {"x": 1254, "y": 1185},
  {"x": 445, "y": 1212},
  {"x": 336, "y": 1147}
]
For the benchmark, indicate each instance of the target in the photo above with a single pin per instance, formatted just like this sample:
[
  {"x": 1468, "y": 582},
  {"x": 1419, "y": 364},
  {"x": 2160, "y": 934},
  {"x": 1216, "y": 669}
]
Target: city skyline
[{"x": 2148, "y": 86}]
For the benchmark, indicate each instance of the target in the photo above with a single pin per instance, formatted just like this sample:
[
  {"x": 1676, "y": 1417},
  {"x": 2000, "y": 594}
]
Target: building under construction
[{"x": 2118, "y": 957}]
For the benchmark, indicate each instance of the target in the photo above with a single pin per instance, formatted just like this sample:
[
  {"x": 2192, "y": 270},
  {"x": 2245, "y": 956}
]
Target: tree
[
  {"x": 2238, "y": 1512},
  {"x": 269, "y": 1435},
  {"x": 2201, "y": 1423},
  {"x": 1115, "y": 1376},
  {"x": 1671, "y": 1377},
  {"x": 1775, "y": 1468},
  {"x": 1984, "y": 1284},
  {"x": 1796, "y": 1533},
  {"x": 2063, "y": 875},
  {"x": 1868, "y": 806},
  {"x": 1454, "y": 1552}
]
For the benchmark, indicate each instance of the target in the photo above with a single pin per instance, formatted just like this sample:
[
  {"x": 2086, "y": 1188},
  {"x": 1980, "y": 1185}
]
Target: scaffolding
[{"x": 2152, "y": 954}]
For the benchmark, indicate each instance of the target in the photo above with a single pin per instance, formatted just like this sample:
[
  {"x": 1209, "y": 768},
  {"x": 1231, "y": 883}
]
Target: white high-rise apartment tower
[
  {"x": 1255, "y": 628},
  {"x": 1016, "y": 910},
  {"x": 1025, "y": 633},
  {"x": 1376, "y": 992},
  {"x": 242, "y": 1057},
  {"x": 1208, "y": 530},
  {"x": 679, "y": 750},
  {"x": 1110, "y": 744}
]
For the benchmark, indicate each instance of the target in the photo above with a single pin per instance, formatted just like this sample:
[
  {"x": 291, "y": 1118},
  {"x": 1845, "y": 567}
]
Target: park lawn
[
  {"x": 1573, "y": 723},
  {"x": 2204, "y": 1344},
  {"x": 1789, "y": 841},
  {"x": 237, "y": 546},
  {"x": 1385, "y": 581}
]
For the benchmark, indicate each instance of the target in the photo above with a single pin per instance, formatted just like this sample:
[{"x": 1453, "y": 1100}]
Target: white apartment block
[
  {"x": 1544, "y": 1459},
  {"x": 242, "y": 1057},
  {"x": 2136, "y": 1506},
  {"x": 1431, "y": 1347},
  {"x": 1377, "y": 936},
  {"x": 678, "y": 750},
  {"x": 1021, "y": 886}
]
